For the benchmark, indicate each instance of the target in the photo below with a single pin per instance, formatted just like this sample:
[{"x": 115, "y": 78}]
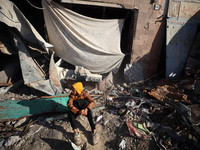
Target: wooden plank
[{"x": 15, "y": 109}]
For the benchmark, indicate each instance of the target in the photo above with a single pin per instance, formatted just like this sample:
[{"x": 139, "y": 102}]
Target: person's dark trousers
[{"x": 81, "y": 104}]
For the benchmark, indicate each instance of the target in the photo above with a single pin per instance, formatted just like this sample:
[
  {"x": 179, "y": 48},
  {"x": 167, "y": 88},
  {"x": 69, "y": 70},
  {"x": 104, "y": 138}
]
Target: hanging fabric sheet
[
  {"x": 84, "y": 41},
  {"x": 13, "y": 17}
]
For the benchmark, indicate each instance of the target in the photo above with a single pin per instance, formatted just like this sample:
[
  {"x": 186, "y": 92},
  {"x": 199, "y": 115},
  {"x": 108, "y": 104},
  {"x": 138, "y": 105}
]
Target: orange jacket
[{"x": 83, "y": 95}]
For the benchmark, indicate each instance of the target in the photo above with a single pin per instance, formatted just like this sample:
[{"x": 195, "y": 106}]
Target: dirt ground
[{"x": 58, "y": 134}]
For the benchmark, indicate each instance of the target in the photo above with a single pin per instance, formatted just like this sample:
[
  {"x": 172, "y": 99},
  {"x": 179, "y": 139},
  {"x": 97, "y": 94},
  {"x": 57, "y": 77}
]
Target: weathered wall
[{"x": 150, "y": 33}]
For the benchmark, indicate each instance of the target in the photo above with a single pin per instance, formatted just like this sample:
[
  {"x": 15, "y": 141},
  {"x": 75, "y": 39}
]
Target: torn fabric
[
  {"x": 12, "y": 16},
  {"x": 84, "y": 41}
]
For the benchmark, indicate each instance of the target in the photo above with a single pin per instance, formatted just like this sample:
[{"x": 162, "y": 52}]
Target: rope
[{"x": 35, "y": 6}]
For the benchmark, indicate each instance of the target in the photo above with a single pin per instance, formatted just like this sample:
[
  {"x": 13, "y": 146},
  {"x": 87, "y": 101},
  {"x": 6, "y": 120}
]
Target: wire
[{"x": 35, "y": 6}]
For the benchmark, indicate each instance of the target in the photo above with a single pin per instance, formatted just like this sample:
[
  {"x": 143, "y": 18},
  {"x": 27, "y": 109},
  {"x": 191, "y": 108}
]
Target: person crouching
[{"x": 81, "y": 103}]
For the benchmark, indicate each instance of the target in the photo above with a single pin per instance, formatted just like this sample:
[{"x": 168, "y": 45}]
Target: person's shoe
[
  {"x": 77, "y": 139},
  {"x": 94, "y": 138}
]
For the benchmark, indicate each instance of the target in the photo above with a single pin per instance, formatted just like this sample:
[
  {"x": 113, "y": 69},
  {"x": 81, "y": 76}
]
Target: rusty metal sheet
[
  {"x": 167, "y": 90},
  {"x": 189, "y": 9}
]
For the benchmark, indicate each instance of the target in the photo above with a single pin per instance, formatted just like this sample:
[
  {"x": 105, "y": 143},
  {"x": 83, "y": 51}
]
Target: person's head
[{"x": 77, "y": 88}]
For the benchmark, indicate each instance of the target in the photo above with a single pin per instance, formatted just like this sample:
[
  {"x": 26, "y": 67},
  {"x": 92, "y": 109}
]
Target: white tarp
[
  {"x": 12, "y": 16},
  {"x": 84, "y": 41}
]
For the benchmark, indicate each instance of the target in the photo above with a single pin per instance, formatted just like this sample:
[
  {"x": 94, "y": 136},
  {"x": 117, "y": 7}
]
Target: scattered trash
[
  {"x": 1, "y": 142},
  {"x": 74, "y": 145},
  {"x": 163, "y": 112},
  {"x": 20, "y": 122},
  {"x": 167, "y": 91},
  {"x": 99, "y": 119},
  {"x": 109, "y": 98},
  {"x": 98, "y": 108},
  {"x": 122, "y": 144},
  {"x": 11, "y": 140}
]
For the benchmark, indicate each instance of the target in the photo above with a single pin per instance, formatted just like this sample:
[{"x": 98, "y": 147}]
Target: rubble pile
[
  {"x": 150, "y": 114},
  {"x": 133, "y": 116}
]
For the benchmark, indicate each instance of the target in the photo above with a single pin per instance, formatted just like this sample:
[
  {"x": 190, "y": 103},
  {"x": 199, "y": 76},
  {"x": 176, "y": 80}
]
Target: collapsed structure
[{"x": 122, "y": 37}]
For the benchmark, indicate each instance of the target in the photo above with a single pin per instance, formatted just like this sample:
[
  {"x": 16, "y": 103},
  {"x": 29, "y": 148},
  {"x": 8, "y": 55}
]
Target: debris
[
  {"x": 99, "y": 119},
  {"x": 133, "y": 72},
  {"x": 20, "y": 122},
  {"x": 167, "y": 90},
  {"x": 11, "y": 140},
  {"x": 109, "y": 98},
  {"x": 4, "y": 90},
  {"x": 1, "y": 142},
  {"x": 74, "y": 145},
  {"x": 133, "y": 104},
  {"x": 137, "y": 93},
  {"x": 122, "y": 110},
  {"x": 122, "y": 144},
  {"x": 132, "y": 130},
  {"x": 98, "y": 108},
  {"x": 142, "y": 128},
  {"x": 35, "y": 129}
]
